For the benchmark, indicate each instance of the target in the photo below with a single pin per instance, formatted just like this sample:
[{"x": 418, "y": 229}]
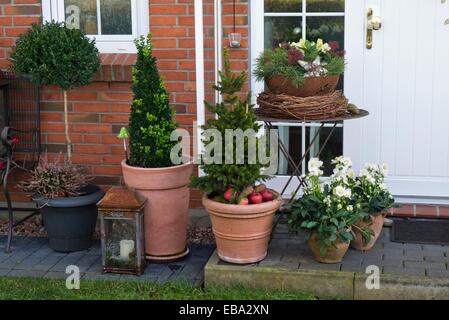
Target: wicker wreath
[{"x": 309, "y": 108}]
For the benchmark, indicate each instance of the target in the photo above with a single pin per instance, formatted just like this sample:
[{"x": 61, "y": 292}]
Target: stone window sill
[{"x": 116, "y": 67}]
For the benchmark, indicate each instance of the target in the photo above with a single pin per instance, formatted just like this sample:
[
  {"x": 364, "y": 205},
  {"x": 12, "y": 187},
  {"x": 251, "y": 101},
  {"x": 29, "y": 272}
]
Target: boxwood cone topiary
[
  {"x": 52, "y": 54},
  {"x": 152, "y": 119}
]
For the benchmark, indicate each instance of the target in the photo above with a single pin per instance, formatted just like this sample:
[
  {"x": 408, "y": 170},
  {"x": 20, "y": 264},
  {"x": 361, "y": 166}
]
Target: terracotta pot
[
  {"x": 334, "y": 254},
  {"x": 166, "y": 212},
  {"x": 375, "y": 224},
  {"x": 242, "y": 232},
  {"x": 312, "y": 86}
]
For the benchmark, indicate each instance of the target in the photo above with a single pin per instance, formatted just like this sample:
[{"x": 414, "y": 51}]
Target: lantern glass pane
[{"x": 120, "y": 243}]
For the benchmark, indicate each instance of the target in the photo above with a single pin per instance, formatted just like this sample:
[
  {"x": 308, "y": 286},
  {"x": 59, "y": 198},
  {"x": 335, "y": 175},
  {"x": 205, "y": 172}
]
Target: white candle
[{"x": 126, "y": 248}]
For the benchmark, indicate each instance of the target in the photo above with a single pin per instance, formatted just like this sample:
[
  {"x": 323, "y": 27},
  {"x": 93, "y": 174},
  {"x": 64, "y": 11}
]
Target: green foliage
[
  {"x": 329, "y": 211},
  {"x": 297, "y": 60},
  {"x": 274, "y": 62},
  {"x": 53, "y": 54},
  {"x": 152, "y": 119},
  {"x": 233, "y": 113}
]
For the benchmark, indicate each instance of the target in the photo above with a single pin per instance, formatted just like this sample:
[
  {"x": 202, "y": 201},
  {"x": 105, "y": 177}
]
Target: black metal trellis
[{"x": 20, "y": 134}]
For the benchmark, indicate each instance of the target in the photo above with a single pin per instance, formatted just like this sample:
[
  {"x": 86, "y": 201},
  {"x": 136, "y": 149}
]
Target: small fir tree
[
  {"x": 52, "y": 54},
  {"x": 152, "y": 119},
  {"x": 233, "y": 113}
]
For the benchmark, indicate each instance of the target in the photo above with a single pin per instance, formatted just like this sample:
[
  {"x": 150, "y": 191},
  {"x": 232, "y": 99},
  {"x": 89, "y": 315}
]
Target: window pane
[
  {"x": 82, "y": 14},
  {"x": 292, "y": 139},
  {"x": 333, "y": 148},
  {"x": 325, "y": 5},
  {"x": 116, "y": 17},
  {"x": 280, "y": 29},
  {"x": 283, "y": 5},
  {"x": 326, "y": 28}
]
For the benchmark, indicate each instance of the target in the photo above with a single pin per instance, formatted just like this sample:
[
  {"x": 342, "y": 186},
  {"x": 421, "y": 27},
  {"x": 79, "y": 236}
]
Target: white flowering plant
[
  {"x": 328, "y": 209},
  {"x": 373, "y": 194}
]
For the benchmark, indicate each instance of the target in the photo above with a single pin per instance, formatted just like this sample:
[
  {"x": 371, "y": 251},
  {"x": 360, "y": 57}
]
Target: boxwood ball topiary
[{"x": 52, "y": 54}]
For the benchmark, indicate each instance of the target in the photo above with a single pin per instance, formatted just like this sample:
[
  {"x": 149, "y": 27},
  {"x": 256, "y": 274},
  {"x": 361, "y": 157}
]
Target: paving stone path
[
  {"x": 291, "y": 252},
  {"x": 31, "y": 257}
]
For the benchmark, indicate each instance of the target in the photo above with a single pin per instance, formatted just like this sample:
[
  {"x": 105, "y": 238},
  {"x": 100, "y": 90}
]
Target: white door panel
[{"x": 403, "y": 82}]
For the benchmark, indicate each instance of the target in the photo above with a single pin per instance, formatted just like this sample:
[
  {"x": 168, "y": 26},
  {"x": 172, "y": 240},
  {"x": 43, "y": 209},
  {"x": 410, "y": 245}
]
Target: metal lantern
[{"x": 122, "y": 235}]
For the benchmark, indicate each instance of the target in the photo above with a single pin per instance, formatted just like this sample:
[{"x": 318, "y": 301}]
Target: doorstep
[{"x": 408, "y": 271}]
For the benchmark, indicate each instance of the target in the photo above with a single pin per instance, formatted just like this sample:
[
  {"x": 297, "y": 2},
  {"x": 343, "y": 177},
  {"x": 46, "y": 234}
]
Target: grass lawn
[{"x": 53, "y": 289}]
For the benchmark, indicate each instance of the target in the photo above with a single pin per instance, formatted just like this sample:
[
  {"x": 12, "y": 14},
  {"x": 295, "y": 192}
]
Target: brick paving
[
  {"x": 291, "y": 252},
  {"x": 31, "y": 257}
]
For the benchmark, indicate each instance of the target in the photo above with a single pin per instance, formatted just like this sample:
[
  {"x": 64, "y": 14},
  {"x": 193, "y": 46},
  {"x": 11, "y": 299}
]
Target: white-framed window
[
  {"x": 291, "y": 20},
  {"x": 113, "y": 23}
]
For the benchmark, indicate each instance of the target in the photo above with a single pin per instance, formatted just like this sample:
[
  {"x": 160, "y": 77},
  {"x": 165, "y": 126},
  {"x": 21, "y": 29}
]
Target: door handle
[{"x": 372, "y": 23}]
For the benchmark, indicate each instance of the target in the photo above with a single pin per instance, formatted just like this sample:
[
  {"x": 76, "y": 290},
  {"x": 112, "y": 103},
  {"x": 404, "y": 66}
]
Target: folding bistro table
[{"x": 296, "y": 173}]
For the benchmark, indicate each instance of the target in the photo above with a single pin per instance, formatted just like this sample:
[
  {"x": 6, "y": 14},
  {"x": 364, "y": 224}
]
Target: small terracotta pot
[
  {"x": 242, "y": 232},
  {"x": 312, "y": 86},
  {"x": 375, "y": 224},
  {"x": 334, "y": 254},
  {"x": 166, "y": 212}
]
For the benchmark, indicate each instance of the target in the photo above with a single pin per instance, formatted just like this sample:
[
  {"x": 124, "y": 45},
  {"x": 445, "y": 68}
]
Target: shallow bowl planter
[
  {"x": 167, "y": 208},
  {"x": 242, "y": 232},
  {"x": 70, "y": 222},
  {"x": 375, "y": 224},
  {"x": 312, "y": 86},
  {"x": 334, "y": 254}
]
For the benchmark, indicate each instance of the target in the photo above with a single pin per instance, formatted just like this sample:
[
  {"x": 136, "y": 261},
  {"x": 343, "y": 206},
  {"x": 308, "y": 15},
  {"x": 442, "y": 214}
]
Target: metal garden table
[{"x": 296, "y": 173}]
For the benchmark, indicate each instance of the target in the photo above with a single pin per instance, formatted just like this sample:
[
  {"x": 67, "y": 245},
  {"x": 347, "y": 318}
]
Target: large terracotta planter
[
  {"x": 375, "y": 224},
  {"x": 334, "y": 254},
  {"x": 242, "y": 232},
  {"x": 312, "y": 86},
  {"x": 167, "y": 209}
]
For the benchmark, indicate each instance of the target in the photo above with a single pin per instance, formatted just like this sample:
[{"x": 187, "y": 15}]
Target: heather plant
[
  {"x": 151, "y": 122},
  {"x": 55, "y": 179}
]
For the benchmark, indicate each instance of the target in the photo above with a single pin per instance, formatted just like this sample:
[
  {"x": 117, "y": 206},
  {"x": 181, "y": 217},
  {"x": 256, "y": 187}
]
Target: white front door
[{"x": 403, "y": 81}]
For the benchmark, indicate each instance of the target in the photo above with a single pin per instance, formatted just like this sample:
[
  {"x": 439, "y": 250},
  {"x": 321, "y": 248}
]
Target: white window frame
[
  {"x": 54, "y": 10},
  {"x": 257, "y": 36}
]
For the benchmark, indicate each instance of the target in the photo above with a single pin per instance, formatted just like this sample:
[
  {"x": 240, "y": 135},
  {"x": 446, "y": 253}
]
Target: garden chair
[{"x": 20, "y": 138}]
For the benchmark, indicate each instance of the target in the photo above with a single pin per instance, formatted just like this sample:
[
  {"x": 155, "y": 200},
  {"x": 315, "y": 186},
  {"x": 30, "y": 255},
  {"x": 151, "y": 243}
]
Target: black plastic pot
[{"x": 70, "y": 222}]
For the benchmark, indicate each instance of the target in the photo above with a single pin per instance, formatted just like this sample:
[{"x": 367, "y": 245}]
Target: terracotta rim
[
  {"x": 227, "y": 210},
  {"x": 155, "y": 170}
]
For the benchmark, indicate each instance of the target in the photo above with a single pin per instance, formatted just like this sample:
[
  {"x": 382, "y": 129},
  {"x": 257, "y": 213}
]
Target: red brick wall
[
  {"x": 98, "y": 111},
  {"x": 15, "y": 17}
]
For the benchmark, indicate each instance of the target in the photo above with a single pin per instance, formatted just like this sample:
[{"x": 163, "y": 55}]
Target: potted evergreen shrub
[
  {"x": 302, "y": 69},
  {"x": 375, "y": 200},
  {"x": 52, "y": 54},
  {"x": 327, "y": 213},
  {"x": 149, "y": 169},
  {"x": 241, "y": 212}
]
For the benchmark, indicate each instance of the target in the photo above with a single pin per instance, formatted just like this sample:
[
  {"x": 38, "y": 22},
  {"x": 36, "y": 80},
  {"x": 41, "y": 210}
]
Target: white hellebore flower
[
  {"x": 383, "y": 186},
  {"x": 341, "y": 192},
  {"x": 315, "y": 164},
  {"x": 350, "y": 208}
]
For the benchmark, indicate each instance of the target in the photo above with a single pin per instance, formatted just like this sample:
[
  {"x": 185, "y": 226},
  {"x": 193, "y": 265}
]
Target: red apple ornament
[
  {"x": 267, "y": 195},
  {"x": 229, "y": 194},
  {"x": 255, "y": 198}
]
